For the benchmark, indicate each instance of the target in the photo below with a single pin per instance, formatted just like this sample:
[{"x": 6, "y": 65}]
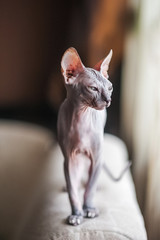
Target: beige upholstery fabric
[
  {"x": 120, "y": 217},
  {"x": 24, "y": 151}
]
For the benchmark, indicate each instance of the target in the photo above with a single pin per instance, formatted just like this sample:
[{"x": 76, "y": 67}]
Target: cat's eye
[{"x": 93, "y": 88}]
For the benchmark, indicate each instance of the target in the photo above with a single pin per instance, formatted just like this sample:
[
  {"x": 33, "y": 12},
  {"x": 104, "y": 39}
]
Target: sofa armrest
[{"x": 120, "y": 217}]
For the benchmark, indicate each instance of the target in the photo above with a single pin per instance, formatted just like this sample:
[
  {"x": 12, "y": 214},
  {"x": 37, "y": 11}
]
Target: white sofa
[{"x": 33, "y": 204}]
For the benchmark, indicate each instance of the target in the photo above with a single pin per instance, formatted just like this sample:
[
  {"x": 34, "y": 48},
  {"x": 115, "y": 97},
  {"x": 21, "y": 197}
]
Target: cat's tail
[{"x": 116, "y": 179}]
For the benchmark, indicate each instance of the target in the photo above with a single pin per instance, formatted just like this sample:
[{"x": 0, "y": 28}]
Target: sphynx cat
[{"x": 81, "y": 122}]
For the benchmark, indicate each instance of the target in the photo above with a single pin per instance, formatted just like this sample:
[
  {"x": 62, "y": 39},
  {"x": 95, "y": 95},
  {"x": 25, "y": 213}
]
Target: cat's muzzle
[{"x": 108, "y": 103}]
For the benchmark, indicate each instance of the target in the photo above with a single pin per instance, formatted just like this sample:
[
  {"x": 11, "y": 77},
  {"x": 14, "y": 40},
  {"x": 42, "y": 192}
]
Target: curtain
[{"x": 140, "y": 115}]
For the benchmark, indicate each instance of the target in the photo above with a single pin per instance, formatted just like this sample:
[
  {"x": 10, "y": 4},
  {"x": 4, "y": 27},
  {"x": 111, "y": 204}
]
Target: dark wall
[{"x": 33, "y": 37}]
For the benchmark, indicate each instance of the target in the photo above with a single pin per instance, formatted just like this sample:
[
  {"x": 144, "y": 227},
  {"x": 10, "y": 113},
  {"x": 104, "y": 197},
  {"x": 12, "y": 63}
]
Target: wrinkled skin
[{"x": 81, "y": 121}]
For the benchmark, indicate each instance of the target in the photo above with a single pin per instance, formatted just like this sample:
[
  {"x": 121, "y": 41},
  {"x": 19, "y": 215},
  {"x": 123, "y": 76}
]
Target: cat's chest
[
  {"x": 85, "y": 134},
  {"x": 88, "y": 125}
]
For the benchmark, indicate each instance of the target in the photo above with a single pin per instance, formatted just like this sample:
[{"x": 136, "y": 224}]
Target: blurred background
[{"x": 33, "y": 38}]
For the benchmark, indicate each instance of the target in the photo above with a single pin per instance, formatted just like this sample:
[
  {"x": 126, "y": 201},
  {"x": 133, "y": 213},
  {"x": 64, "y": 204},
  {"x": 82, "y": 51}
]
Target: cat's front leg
[
  {"x": 73, "y": 182},
  {"x": 90, "y": 211}
]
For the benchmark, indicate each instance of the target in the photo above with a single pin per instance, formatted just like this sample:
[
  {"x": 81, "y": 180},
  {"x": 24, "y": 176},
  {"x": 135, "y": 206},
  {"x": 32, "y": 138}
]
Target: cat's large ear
[
  {"x": 103, "y": 65},
  {"x": 71, "y": 65}
]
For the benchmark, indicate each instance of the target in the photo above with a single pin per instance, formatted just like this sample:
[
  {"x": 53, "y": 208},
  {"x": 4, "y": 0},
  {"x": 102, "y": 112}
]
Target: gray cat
[{"x": 81, "y": 122}]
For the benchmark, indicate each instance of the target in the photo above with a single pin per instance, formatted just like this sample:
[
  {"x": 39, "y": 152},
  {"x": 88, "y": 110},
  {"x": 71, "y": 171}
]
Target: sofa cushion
[{"x": 24, "y": 158}]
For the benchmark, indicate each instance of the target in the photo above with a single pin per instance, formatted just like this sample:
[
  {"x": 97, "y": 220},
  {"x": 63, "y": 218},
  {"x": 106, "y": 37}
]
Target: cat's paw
[
  {"x": 90, "y": 212},
  {"x": 75, "y": 220}
]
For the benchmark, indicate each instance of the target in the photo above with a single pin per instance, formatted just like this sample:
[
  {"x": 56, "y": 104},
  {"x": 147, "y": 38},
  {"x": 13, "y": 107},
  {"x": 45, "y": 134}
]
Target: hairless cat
[{"x": 81, "y": 122}]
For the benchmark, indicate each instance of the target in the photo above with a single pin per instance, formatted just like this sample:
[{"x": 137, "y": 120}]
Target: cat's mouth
[
  {"x": 108, "y": 103},
  {"x": 102, "y": 105}
]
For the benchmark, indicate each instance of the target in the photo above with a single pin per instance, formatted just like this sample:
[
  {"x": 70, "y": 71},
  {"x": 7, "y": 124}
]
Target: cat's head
[{"x": 89, "y": 86}]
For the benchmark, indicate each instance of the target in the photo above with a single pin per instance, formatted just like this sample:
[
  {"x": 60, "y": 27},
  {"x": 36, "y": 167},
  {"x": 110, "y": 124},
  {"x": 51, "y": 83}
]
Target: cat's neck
[
  {"x": 80, "y": 112},
  {"x": 78, "y": 106}
]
